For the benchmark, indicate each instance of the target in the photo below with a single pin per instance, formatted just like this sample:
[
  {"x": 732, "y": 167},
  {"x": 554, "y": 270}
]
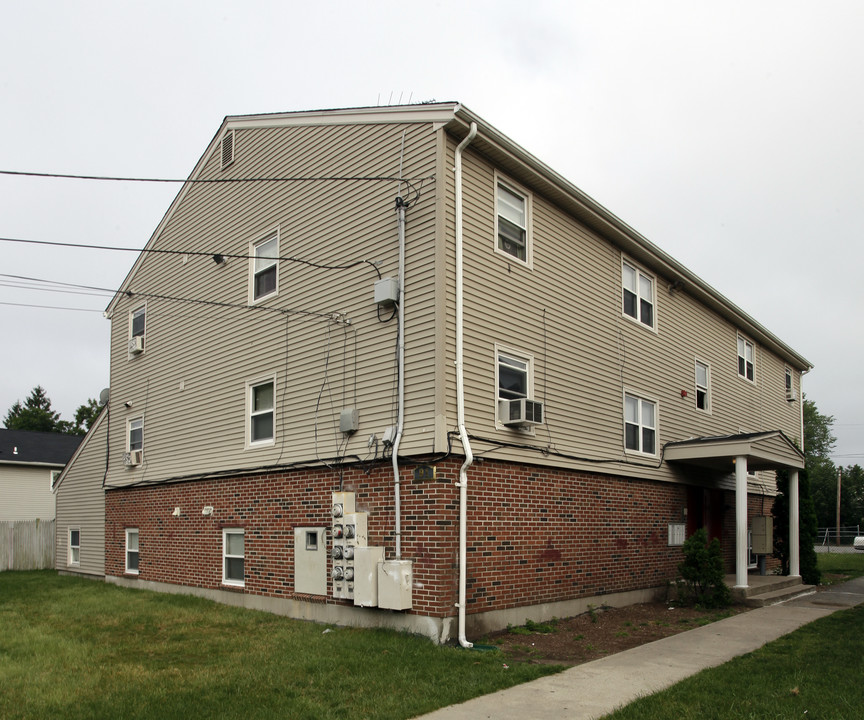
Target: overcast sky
[{"x": 729, "y": 134}]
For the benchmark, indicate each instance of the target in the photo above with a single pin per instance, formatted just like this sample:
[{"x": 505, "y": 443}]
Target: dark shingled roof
[{"x": 37, "y": 447}]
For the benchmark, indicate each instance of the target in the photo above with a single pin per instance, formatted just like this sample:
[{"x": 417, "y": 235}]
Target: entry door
[{"x": 705, "y": 510}]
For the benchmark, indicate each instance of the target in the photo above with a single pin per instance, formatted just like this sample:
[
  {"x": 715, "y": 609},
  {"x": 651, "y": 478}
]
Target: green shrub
[{"x": 701, "y": 573}]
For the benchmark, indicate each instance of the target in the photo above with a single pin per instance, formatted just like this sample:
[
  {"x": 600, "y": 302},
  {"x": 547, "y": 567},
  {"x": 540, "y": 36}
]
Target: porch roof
[{"x": 770, "y": 450}]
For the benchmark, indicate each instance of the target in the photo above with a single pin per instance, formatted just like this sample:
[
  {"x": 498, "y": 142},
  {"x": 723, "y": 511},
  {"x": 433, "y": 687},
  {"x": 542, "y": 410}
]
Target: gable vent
[{"x": 228, "y": 148}]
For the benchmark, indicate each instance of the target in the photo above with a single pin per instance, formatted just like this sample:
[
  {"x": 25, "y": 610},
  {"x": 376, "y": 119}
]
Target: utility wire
[
  {"x": 198, "y": 253},
  {"x": 221, "y": 180}
]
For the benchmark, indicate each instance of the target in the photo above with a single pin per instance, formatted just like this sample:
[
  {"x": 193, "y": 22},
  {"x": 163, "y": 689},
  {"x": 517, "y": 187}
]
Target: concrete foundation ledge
[
  {"x": 438, "y": 630},
  {"x": 481, "y": 624}
]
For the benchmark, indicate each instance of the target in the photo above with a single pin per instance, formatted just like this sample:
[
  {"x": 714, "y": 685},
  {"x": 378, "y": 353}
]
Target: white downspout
[
  {"x": 460, "y": 394},
  {"x": 400, "y": 382}
]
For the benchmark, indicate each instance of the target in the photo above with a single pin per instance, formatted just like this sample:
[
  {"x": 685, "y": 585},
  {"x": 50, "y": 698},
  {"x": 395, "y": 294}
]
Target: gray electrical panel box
[
  {"x": 386, "y": 291},
  {"x": 310, "y": 560},
  {"x": 762, "y": 529}
]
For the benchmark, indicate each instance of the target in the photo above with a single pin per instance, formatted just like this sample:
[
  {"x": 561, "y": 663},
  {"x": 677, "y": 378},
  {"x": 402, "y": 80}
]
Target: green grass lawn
[
  {"x": 813, "y": 673},
  {"x": 75, "y": 648},
  {"x": 836, "y": 565}
]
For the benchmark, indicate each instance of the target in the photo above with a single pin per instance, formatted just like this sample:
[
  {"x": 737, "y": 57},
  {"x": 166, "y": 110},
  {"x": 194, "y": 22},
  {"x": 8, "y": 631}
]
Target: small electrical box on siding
[
  {"x": 348, "y": 420},
  {"x": 386, "y": 291},
  {"x": 395, "y": 584}
]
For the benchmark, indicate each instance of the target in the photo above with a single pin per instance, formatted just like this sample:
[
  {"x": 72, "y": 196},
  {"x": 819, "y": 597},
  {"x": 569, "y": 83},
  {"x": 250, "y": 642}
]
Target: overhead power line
[
  {"x": 217, "y": 256},
  {"x": 234, "y": 181}
]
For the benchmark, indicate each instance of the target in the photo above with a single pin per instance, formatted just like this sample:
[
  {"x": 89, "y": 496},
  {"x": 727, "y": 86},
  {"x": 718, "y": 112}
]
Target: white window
[
  {"x": 745, "y": 359},
  {"x": 135, "y": 434},
  {"x": 233, "y": 553},
  {"x": 640, "y": 424},
  {"x": 512, "y": 222},
  {"x": 132, "y": 551},
  {"x": 703, "y": 386},
  {"x": 74, "y": 555},
  {"x": 227, "y": 149},
  {"x": 55, "y": 476},
  {"x": 638, "y": 294},
  {"x": 788, "y": 381},
  {"x": 265, "y": 268},
  {"x": 514, "y": 375},
  {"x": 262, "y": 412},
  {"x": 137, "y": 327}
]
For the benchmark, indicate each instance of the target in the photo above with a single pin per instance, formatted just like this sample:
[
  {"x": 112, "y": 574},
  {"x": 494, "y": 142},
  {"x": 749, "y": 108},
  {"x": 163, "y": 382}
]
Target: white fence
[{"x": 27, "y": 545}]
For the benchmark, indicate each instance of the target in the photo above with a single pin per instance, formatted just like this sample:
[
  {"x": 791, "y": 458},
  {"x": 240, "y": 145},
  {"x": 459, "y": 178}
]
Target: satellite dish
[{"x": 103, "y": 397}]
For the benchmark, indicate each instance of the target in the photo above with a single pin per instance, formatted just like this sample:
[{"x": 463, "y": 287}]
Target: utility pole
[{"x": 839, "y": 478}]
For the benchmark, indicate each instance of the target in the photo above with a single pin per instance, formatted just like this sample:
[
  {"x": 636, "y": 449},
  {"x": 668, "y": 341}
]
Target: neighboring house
[
  {"x": 80, "y": 498},
  {"x": 30, "y": 463},
  {"x": 384, "y": 366}
]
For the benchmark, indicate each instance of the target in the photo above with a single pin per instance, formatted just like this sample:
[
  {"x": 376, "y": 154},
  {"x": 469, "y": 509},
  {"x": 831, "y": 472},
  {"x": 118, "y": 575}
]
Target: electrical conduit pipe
[
  {"x": 460, "y": 392},
  {"x": 400, "y": 382}
]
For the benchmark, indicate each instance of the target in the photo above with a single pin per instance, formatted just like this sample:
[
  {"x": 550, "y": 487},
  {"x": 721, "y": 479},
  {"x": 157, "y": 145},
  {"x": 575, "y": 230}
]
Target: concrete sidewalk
[{"x": 596, "y": 688}]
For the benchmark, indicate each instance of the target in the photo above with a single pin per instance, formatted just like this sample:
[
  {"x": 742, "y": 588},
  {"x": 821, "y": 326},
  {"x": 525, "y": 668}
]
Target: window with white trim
[
  {"x": 55, "y": 476},
  {"x": 703, "y": 386},
  {"x": 233, "y": 557},
  {"x": 262, "y": 412},
  {"x": 512, "y": 222},
  {"x": 745, "y": 359},
  {"x": 132, "y": 551},
  {"x": 640, "y": 424},
  {"x": 265, "y": 267},
  {"x": 73, "y": 557},
  {"x": 514, "y": 381},
  {"x": 135, "y": 434},
  {"x": 637, "y": 294},
  {"x": 137, "y": 328}
]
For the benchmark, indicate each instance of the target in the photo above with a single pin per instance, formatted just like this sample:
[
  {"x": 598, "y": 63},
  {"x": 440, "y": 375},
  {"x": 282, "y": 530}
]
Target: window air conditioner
[
  {"x": 790, "y": 395},
  {"x": 521, "y": 411},
  {"x": 136, "y": 345},
  {"x": 133, "y": 457}
]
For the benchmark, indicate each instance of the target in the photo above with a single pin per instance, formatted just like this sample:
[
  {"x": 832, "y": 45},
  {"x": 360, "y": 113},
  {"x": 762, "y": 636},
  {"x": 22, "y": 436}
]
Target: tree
[
  {"x": 35, "y": 415},
  {"x": 85, "y": 415},
  {"x": 819, "y": 441}
]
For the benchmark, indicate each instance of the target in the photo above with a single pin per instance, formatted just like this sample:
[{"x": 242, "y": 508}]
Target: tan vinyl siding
[
  {"x": 567, "y": 313},
  {"x": 81, "y": 505},
  {"x": 26, "y": 492},
  {"x": 190, "y": 383}
]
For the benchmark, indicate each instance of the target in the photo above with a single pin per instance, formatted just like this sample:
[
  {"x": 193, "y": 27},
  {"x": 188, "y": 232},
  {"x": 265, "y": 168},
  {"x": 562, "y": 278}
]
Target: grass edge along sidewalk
[
  {"x": 813, "y": 672},
  {"x": 73, "y": 648}
]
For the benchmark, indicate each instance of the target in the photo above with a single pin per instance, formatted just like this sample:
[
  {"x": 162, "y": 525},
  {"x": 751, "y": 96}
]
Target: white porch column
[
  {"x": 794, "y": 536},
  {"x": 741, "y": 521}
]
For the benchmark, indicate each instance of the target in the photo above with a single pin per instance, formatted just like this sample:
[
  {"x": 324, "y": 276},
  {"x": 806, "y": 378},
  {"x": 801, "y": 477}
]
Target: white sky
[{"x": 729, "y": 134}]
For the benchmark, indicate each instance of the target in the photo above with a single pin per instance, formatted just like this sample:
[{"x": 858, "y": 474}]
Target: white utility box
[
  {"x": 395, "y": 584},
  {"x": 310, "y": 560},
  {"x": 366, "y": 561},
  {"x": 763, "y": 534}
]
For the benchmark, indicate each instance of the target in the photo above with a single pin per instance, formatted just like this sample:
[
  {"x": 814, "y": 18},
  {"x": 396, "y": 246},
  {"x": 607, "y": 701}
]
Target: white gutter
[
  {"x": 400, "y": 382},
  {"x": 460, "y": 394}
]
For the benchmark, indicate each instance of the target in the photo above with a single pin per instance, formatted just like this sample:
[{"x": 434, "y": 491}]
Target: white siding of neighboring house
[{"x": 25, "y": 492}]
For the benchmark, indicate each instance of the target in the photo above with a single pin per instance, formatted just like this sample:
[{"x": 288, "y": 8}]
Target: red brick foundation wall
[{"x": 535, "y": 535}]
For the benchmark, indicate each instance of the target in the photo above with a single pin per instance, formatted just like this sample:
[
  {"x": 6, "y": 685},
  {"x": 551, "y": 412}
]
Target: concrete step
[
  {"x": 761, "y": 584},
  {"x": 775, "y": 596}
]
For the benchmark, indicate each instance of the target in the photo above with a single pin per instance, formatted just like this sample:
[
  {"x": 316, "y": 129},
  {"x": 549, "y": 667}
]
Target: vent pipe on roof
[{"x": 460, "y": 392}]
